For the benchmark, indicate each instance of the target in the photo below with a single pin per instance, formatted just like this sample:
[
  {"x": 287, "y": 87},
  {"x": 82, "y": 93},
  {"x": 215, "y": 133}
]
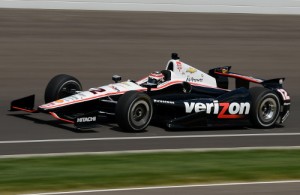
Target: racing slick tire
[
  {"x": 265, "y": 107},
  {"x": 61, "y": 86},
  {"x": 134, "y": 111}
]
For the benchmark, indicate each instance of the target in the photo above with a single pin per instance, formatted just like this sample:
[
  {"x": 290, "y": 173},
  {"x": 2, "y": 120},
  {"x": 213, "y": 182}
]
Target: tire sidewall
[
  {"x": 140, "y": 100},
  {"x": 264, "y": 96},
  {"x": 124, "y": 108},
  {"x": 57, "y": 83}
]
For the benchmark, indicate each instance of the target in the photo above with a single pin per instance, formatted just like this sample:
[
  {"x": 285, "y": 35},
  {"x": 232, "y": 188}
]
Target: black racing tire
[
  {"x": 61, "y": 86},
  {"x": 265, "y": 107},
  {"x": 134, "y": 111}
]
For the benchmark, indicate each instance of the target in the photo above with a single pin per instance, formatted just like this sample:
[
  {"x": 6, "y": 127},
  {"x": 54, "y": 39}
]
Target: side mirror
[
  {"x": 116, "y": 78},
  {"x": 186, "y": 87}
]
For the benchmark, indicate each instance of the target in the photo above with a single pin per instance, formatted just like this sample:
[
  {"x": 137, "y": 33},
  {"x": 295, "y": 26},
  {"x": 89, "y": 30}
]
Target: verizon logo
[{"x": 223, "y": 109}]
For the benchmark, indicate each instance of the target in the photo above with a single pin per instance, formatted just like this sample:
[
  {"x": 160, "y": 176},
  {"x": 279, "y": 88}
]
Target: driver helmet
[{"x": 155, "y": 78}]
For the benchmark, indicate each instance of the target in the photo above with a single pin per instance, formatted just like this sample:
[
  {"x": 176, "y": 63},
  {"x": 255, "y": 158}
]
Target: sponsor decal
[
  {"x": 72, "y": 98},
  {"x": 114, "y": 87},
  {"x": 179, "y": 65},
  {"x": 97, "y": 90},
  {"x": 192, "y": 79},
  {"x": 163, "y": 101},
  {"x": 126, "y": 83},
  {"x": 222, "y": 109},
  {"x": 191, "y": 70},
  {"x": 59, "y": 101},
  {"x": 285, "y": 116},
  {"x": 86, "y": 119},
  {"x": 82, "y": 95},
  {"x": 284, "y": 94}
]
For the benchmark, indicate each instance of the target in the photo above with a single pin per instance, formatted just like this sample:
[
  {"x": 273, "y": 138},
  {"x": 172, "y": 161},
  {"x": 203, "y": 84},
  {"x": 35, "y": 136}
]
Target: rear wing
[{"x": 221, "y": 74}]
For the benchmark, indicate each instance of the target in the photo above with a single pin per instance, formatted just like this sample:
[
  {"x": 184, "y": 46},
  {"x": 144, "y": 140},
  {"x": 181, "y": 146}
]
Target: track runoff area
[{"x": 238, "y": 40}]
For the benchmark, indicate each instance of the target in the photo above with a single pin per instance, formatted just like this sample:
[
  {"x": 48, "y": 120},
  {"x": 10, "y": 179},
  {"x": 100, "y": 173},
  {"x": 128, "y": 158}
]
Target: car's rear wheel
[
  {"x": 134, "y": 111},
  {"x": 265, "y": 107},
  {"x": 61, "y": 86}
]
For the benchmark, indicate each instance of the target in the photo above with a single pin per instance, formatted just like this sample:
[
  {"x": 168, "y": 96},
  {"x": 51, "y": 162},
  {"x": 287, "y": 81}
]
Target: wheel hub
[
  {"x": 140, "y": 113},
  {"x": 268, "y": 110}
]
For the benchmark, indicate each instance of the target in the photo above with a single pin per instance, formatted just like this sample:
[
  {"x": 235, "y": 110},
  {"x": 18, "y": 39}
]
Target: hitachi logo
[
  {"x": 86, "y": 119},
  {"x": 223, "y": 109}
]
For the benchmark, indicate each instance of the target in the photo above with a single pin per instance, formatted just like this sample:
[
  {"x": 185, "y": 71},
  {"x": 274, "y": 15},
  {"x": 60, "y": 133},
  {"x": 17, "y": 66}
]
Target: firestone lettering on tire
[{"x": 222, "y": 109}]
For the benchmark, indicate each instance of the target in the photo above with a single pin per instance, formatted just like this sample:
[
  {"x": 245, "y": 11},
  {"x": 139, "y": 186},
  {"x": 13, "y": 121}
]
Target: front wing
[{"x": 80, "y": 121}]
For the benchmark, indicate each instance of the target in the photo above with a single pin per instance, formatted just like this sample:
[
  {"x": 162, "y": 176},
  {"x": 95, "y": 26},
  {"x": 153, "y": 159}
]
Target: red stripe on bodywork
[
  {"x": 62, "y": 119},
  {"x": 240, "y": 77},
  {"x": 23, "y": 109}
]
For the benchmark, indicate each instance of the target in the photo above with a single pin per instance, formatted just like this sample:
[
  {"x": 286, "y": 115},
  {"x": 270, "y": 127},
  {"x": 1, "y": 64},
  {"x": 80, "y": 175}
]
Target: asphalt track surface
[{"x": 35, "y": 45}]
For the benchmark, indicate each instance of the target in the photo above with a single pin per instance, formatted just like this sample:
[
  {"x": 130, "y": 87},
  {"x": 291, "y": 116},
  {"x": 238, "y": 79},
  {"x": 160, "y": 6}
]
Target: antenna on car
[{"x": 175, "y": 56}]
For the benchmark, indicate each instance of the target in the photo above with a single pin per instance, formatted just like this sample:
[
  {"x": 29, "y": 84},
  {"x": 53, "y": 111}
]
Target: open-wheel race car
[{"x": 179, "y": 96}]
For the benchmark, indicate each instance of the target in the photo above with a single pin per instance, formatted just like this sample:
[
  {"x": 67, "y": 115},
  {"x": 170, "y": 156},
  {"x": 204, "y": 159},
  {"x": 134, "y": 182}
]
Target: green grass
[{"x": 131, "y": 170}]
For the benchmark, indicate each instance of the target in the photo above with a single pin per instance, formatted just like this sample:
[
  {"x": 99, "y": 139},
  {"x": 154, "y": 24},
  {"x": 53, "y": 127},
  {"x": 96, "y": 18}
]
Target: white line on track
[
  {"x": 150, "y": 151},
  {"x": 148, "y": 137},
  {"x": 167, "y": 187}
]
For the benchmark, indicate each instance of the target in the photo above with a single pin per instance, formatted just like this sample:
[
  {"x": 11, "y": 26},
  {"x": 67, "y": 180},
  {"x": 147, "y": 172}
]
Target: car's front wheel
[
  {"x": 61, "y": 86},
  {"x": 134, "y": 111},
  {"x": 265, "y": 107}
]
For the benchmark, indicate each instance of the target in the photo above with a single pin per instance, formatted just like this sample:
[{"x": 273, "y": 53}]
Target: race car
[{"x": 180, "y": 96}]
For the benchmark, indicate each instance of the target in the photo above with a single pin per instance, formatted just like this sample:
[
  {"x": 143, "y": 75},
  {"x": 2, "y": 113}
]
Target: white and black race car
[{"x": 180, "y": 96}]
